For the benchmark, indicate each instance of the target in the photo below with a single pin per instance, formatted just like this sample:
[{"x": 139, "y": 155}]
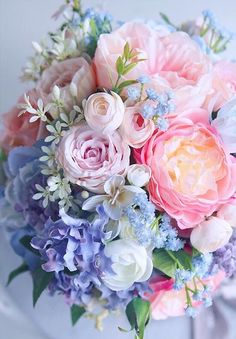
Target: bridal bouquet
[{"x": 118, "y": 166}]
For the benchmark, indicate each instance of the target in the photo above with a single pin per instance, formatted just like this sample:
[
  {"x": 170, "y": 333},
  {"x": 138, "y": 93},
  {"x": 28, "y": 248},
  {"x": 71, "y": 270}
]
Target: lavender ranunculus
[{"x": 24, "y": 171}]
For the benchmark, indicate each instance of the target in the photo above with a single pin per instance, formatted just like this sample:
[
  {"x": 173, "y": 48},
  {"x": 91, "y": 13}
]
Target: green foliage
[
  {"x": 76, "y": 313},
  {"x": 25, "y": 241},
  {"x": 21, "y": 269},
  {"x": 138, "y": 315},
  {"x": 124, "y": 64},
  {"x": 168, "y": 261},
  {"x": 41, "y": 280}
]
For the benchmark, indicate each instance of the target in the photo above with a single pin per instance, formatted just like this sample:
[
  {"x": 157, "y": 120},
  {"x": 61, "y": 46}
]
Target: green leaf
[
  {"x": 3, "y": 156},
  {"x": 119, "y": 66},
  {"x": 167, "y": 20},
  {"x": 164, "y": 262},
  {"x": 76, "y": 313},
  {"x": 25, "y": 241},
  {"x": 126, "y": 51},
  {"x": 195, "y": 252},
  {"x": 93, "y": 26},
  {"x": 129, "y": 68},
  {"x": 21, "y": 269},
  {"x": 138, "y": 314},
  {"x": 126, "y": 83},
  {"x": 184, "y": 259},
  {"x": 41, "y": 280}
]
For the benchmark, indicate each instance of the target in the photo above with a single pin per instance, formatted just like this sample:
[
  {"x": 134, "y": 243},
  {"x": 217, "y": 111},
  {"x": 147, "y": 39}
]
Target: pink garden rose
[
  {"x": 89, "y": 157},
  {"x": 174, "y": 62},
  {"x": 135, "y": 130},
  {"x": 18, "y": 131},
  {"x": 167, "y": 302},
  {"x": 192, "y": 174},
  {"x": 77, "y": 71},
  {"x": 224, "y": 83},
  {"x": 104, "y": 112}
]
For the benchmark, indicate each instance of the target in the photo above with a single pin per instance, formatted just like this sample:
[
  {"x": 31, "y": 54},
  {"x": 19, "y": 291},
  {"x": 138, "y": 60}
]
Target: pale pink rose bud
[
  {"x": 136, "y": 130},
  {"x": 211, "y": 235},
  {"x": 104, "y": 112},
  {"x": 228, "y": 213},
  {"x": 139, "y": 175}
]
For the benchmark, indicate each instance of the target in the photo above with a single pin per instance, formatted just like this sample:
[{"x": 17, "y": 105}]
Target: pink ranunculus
[
  {"x": 104, "y": 112},
  {"x": 192, "y": 174},
  {"x": 135, "y": 130},
  {"x": 167, "y": 302},
  {"x": 89, "y": 158},
  {"x": 174, "y": 62},
  {"x": 77, "y": 71},
  {"x": 224, "y": 84},
  {"x": 18, "y": 131}
]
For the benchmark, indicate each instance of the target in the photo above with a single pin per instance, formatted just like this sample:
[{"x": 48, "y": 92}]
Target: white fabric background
[{"x": 22, "y": 21}]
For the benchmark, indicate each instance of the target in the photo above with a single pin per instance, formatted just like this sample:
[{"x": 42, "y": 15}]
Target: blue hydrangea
[{"x": 23, "y": 170}]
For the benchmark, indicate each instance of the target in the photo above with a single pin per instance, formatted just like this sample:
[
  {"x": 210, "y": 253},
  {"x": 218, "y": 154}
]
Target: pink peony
[
  {"x": 224, "y": 83},
  {"x": 77, "y": 71},
  {"x": 174, "y": 62},
  {"x": 18, "y": 131},
  {"x": 167, "y": 302},
  {"x": 89, "y": 157},
  {"x": 135, "y": 130},
  {"x": 192, "y": 174}
]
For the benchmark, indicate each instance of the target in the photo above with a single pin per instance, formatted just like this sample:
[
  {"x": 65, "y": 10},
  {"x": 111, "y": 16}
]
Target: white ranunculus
[
  {"x": 211, "y": 235},
  {"x": 130, "y": 263},
  {"x": 225, "y": 124},
  {"x": 139, "y": 175},
  {"x": 228, "y": 213},
  {"x": 104, "y": 112}
]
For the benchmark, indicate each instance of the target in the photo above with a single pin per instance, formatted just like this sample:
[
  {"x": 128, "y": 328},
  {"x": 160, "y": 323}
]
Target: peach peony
[{"x": 192, "y": 174}]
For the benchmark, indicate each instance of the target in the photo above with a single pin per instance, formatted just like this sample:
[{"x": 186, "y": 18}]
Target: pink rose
[
  {"x": 135, "y": 130},
  {"x": 77, "y": 71},
  {"x": 224, "y": 83},
  {"x": 192, "y": 174},
  {"x": 104, "y": 112},
  {"x": 18, "y": 131},
  {"x": 174, "y": 61},
  {"x": 89, "y": 157},
  {"x": 167, "y": 302}
]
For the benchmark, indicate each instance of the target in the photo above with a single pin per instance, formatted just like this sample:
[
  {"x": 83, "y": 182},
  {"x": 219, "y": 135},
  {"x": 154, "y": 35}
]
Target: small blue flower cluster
[
  {"x": 148, "y": 230},
  {"x": 214, "y": 24},
  {"x": 199, "y": 292},
  {"x": 163, "y": 106}
]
